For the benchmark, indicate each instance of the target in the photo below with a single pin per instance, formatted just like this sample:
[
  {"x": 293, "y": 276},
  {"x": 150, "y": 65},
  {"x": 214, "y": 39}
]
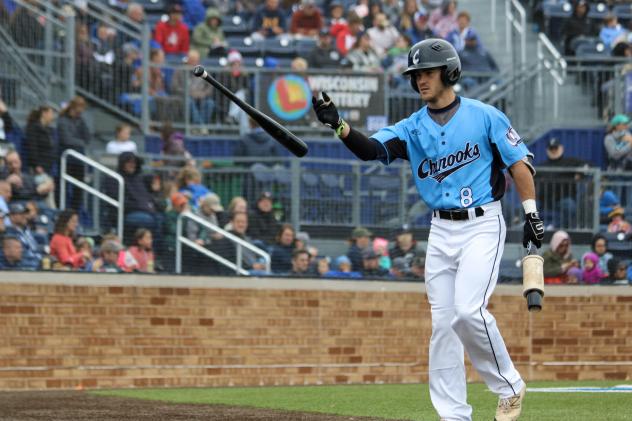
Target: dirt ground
[{"x": 81, "y": 406}]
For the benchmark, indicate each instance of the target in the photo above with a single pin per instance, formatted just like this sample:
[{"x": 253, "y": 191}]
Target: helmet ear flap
[{"x": 413, "y": 82}]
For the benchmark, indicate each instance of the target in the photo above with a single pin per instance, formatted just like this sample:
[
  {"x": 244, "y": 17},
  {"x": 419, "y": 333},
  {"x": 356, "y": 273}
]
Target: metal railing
[
  {"x": 93, "y": 190},
  {"x": 550, "y": 60},
  {"x": 516, "y": 19},
  {"x": 240, "y": 244}
]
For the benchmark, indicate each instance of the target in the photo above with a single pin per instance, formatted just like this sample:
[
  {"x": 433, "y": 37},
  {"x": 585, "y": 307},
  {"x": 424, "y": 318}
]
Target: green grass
[{"x": 406, "y": 402}]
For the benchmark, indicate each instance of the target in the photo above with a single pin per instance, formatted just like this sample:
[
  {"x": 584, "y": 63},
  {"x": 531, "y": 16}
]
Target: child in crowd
[
  {"x": 592, "y": 273},
  {"x": 109, "y": 258},
  {"x": 122, "y": 142},
  {"x": 190, "y": 183},
  {"x": 140, "y": 255},
  {"x": 380, "y": 247},
  {"x": 85, "y": 245},
  {"x": 617, "y": 221}
]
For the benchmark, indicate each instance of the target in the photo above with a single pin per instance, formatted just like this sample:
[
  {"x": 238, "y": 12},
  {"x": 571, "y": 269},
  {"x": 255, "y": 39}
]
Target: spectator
[
  {"x": 578, "y": 25},
  {"x": 26, "y": 29},
  {"x": 392, "y": 9},
  {"x": 322, "y": 267},
  {"x": 138, "y": 202},
  {"x": 618, "y": 272},
  {"x": 306, "y": 20},
  {"x": 360, "y": 241},
  {"x": 86, "y": 69},
  {"x": 618, "y": 143},
  {"x": 136, "y": 13},
  {"x": 208, "y": 36},
  {"x": 12, "y": 257},
  {"x": 337, "y": 21},
  {"x": 475, "y": 58},
  {"x": 592, "y": 273},
  {"x": 193, "y": 12},
  {"x": 347, "y": 36},
  {"x": 156, "y": 77},
  {"x": 343, "y": 269},
  {"x": 607, "y": 202},
  {"x": 237, "y": 204},
  {"x": 418, "y": 268},
  {"x": 371, "y": 265},
  {"x": 599, "y": 246},
  {"x": 85, "y": 246},
  {"x": 281, "y": 250},
  {"x": 563, "y": 198},
  {"x": 141, "y": 252},
  {"x": 108, "y": 262},
  {"x": 263, "y": 225},
  {"x": 154, "y": 186},
  {"x": 39, "y": 145},
  {"x": 209, "y": 206},
  {"x": 407, "y": 17},
  {"x": 122, "y": 142},
  {"x": 361, "y": 8},
  {"x": 5, "y": 198},
  {"x": 300, "y": 263},
  {"x": 23, "y": 185},
  {"x": 443, "y": 20},
  {"x": 238, "y": 81},
  {"x": 19, "y": 228},
  {"x": 173, "y": 34},
  {"x": 558, "y": 259},
  {"x": 464, "y": 31},
  {"x": 256, "y": 143},
  {"x": 375, "y": 8},
  {"x": 6, "y": 124},
  {"x": 269, "y": 20},
  {"x": 574, "y": 276},
  {"x": 227, "y": 249},
  {"x": 399, "y": 268},
  {"x": 324, "y": 55},
  {"x": 419, "y": 29},
  {"x": 190, "y": 184},
  {"x": 380, "y": 247},
  {"x": 173, "y": 145},
  {"x": 104, "y": 45},
  {"x": 61, "y": 245},
  {"x": 362, "y": 57},
  {"x": 617, "y": 222},
  {"x": 405, "y": 246},
  {"x": 382, "y": 35},
  {"x": 611, "y": 31},
  {"x": 200, "y": 103},
  {"x": 73, "y": 133},
  {"x": 125, "y": 75}
]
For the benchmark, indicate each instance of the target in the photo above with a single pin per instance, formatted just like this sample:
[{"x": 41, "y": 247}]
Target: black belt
[{"x": 458, "y": 214}]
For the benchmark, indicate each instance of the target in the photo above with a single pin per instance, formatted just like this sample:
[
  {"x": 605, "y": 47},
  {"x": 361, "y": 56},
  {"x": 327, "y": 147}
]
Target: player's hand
[
  {"x": 326, "y": 111},
  {"x": 533, "y": 230}
]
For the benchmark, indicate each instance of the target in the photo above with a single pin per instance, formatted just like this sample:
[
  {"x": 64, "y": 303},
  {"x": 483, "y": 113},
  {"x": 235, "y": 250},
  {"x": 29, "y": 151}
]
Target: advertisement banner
[{"x": 287, "y": 97}]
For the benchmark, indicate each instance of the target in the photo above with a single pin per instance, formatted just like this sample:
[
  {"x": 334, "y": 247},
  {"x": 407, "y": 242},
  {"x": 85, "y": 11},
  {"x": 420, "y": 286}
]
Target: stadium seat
[
  {"x": 598, "y": 12},
  {"x": 582, "y": 40},
  {"x": 279, "y": 47},
  {"x": 554, "y": 15},
  {"x": 247, "y": 46},
  {"x": 623, "y": 12},
  {"x": 590, "y": 50},
  {"x": 235, "y": 26},
  {"x": 153, "y": 6}
]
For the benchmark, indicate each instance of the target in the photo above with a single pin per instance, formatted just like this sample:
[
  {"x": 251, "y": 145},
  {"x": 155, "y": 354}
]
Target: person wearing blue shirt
[
  {"x": 611, "y": 31},
  {"x": 458, "y": 149},
  {"x": 12, "y": 258}
]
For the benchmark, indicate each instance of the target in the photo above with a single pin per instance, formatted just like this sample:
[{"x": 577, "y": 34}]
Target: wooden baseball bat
[{"x": 274, "y": 129}]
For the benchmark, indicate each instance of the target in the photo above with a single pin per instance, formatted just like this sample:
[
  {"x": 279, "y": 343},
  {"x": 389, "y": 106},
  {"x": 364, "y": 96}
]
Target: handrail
[
  {"x": 24, "y": 65},
  {"x": 519, "y": 24},
  {"x": 65, "y": 177},
  {"x": 239, "y": 243},
  {"x": 545, "y": 43}
]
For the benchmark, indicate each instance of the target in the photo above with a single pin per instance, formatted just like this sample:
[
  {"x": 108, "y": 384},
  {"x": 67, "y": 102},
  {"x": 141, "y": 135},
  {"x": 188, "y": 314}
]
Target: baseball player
[{"x": 457, "y": 149}]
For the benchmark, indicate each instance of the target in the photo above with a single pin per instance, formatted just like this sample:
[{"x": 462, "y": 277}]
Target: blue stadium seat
[
  {"x": 583, "y": 40},
  {"x": 247, "y": 46},
  {"x": 279, "y": 47},
  {"x": 592, "y": 51},
  {"x": 596, "y": 14},
  {"x": 235, "y": 26},
  {"x": 623, "y": 12},
  {"x": 153, "y": 6},
  {"x": 554, "y": 15}
]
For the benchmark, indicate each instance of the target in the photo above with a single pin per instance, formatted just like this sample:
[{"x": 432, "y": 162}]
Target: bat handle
[{"x": 534, "y": 301}]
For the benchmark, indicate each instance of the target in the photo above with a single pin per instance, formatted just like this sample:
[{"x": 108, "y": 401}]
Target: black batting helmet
[{"x": 434, "y": 53}]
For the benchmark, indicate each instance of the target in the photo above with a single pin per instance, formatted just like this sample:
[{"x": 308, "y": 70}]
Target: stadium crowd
[{"x": 365, "y": 35}]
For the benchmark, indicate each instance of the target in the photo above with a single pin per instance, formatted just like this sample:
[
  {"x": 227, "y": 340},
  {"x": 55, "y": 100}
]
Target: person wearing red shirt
[
  {"x": 307, "y": 20},
  {"x": 347, "y": 36},
  {"x": 140, "y": 256},
  {"x": 173, "y": 35},
  {"x": 61, "y": 245}
]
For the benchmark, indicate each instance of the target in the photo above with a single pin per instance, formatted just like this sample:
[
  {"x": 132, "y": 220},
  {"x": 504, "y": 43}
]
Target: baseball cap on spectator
[
  {"x": 360, "y": 232},
  {"x": 553, "y": 143},
  {"x": 471, "y": 34},
  {"x": 399, "y": 263},
  {"x": 234, "y": 56},
  {"x": 302, "y": 236},
  {"x": 265, "y": 195},
  {"x": 178, "y": 199},
  {"x": 212, "y": 201},
  {"x": 404, "y": 229},
  {"x": 421, "y": 13},
  {"x": 619, "y": 119},
  {"x": 616, "y": 211},
  {"x": 17, "y": 208}
]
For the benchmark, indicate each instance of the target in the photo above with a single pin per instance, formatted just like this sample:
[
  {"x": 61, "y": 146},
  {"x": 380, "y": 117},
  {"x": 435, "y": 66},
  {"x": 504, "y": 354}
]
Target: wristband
[
  {"x": 340, "y": 127},
  {"x": 529, "y": 206}
]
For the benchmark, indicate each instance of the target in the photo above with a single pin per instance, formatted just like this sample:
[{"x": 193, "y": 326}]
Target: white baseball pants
[{"x": 461, "y": 272}]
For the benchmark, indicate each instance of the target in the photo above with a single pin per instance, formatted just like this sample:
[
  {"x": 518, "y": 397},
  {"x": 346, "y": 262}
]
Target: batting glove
[
  {"x": 533, "y": 230},
  {"x": 326, "y": 111}
]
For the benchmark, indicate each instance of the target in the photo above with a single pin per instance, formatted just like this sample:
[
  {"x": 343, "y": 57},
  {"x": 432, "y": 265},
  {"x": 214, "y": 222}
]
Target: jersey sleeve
[
  {"x": 506, "y": 140},
  {"x": 393, "y": 140}
]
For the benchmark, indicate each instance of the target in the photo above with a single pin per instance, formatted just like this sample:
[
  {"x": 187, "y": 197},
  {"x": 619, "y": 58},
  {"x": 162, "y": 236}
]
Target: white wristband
[{"x": 529, "y": 206}]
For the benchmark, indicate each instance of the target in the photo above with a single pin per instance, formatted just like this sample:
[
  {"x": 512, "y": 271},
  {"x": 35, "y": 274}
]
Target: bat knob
[
  {"x": 534, "y": 300},
  {"x": 198, "y": 70}
]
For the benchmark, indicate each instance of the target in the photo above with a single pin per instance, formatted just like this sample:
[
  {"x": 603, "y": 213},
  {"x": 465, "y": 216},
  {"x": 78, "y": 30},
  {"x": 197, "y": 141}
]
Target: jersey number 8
[{"x": 466, "y": 197}]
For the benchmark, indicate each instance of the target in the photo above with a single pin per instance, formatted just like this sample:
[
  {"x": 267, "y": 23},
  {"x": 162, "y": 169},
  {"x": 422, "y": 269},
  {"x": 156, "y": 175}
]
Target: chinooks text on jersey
[{"x": 458, "y": 164}]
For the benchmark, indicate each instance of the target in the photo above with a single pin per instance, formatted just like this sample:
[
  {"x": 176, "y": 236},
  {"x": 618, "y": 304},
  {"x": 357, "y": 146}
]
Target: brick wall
[{"x": 67, "y": 331}]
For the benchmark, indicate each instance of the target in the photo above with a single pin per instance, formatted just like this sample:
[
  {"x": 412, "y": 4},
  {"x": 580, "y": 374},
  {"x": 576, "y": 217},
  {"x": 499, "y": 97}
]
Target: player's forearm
[
  {"x": 361, "y": 146},
  {"x": 524, "y": 181}
]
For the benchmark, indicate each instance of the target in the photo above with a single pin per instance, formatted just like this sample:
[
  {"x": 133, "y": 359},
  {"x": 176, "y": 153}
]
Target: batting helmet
[{"x": 434, "y": 53}]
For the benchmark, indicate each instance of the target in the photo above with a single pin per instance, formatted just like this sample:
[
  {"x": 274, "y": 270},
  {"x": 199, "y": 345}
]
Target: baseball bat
[
  {"x": 274, "y": 129},
  {"x": 534, "y": 290}
]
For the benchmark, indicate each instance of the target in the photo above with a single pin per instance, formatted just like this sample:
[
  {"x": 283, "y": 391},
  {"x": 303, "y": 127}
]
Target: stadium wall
[{"x": 73, "y": 330}]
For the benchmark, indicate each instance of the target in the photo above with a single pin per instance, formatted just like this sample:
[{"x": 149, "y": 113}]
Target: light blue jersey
[{"x": 460, "y": 164}]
